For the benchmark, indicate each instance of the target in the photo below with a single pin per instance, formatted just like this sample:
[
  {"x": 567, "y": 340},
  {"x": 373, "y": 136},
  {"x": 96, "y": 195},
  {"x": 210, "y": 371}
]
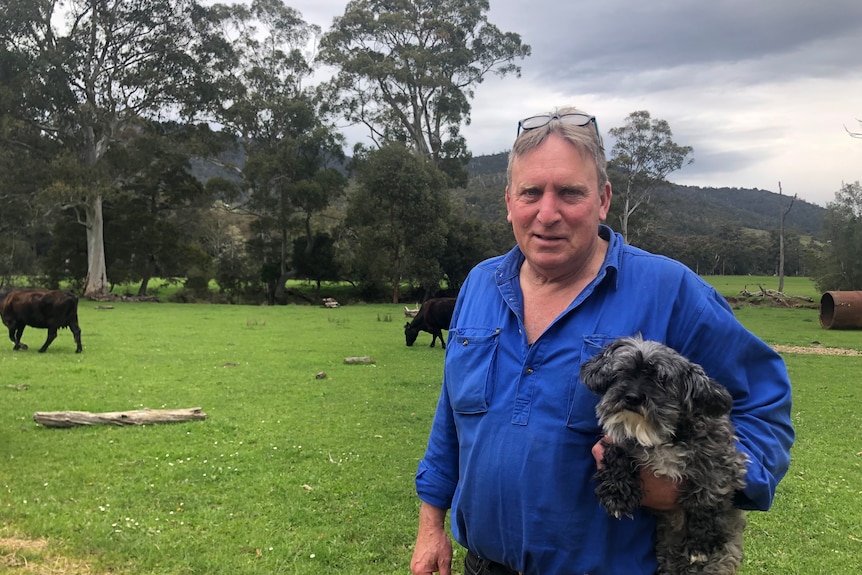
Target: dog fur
[{"x": 662, "y": 412}]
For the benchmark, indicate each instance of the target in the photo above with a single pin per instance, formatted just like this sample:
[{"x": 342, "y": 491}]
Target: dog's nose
[{"x": 633, "y": 399}]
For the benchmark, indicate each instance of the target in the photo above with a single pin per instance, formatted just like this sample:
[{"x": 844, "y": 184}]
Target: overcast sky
[{"x": 761, "y": 89}]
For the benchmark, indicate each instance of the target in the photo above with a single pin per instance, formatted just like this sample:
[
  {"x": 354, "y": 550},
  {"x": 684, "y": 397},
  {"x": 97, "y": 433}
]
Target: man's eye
[{"x": 572, "y": 194}]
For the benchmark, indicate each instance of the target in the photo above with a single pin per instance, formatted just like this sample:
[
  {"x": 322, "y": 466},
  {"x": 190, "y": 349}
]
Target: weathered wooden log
[
  {"x": 137, "y": 417},
  {"x": 362, "y": 359}
]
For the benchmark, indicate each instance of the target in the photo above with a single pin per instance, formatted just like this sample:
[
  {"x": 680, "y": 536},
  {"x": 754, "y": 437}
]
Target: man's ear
[
  {"x": 606, "y": 202},
  {"x": 508, "y": 208}
]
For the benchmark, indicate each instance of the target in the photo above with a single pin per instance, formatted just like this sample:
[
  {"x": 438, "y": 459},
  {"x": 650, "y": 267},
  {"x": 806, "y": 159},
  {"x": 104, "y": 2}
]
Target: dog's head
[{"x": 650, "y": 392}]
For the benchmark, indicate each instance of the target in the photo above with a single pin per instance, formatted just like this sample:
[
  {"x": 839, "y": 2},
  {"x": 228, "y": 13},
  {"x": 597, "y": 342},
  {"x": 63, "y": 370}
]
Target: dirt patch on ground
[
  {"x": 815, "y": 350},
  {"x": 15, "y": 544},
  {"x": 31, "y": 557}
]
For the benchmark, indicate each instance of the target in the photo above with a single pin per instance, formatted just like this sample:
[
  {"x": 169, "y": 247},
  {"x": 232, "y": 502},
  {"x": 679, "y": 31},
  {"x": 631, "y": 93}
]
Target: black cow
[
  {"x": 46, "y": 309},
  {"x": 434, "y": 316}
]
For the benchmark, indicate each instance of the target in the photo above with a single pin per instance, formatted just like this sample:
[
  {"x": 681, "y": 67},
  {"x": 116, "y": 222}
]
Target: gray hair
[{"x": 585, "y": 138}]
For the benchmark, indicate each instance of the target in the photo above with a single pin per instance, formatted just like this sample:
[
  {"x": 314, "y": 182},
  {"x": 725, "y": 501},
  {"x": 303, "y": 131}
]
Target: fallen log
[
  {"x": 137, "y": 417},
  {"x": 778, "y": 297}
]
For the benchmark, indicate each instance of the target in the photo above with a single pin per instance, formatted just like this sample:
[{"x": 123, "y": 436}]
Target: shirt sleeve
[
  {"x": 757, "y": 378},
  {"x": 437, "y": 475}
]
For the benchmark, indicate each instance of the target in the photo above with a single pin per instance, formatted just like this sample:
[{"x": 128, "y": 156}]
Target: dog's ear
[
  {"x": 705, "y": 395},
  {"x": 598, "y": 373}
]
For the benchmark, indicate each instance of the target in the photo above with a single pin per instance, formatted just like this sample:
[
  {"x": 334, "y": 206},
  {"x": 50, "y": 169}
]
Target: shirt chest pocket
[
  {"x": 471, "y": 357},
  {"x": 582, "y": 402}
]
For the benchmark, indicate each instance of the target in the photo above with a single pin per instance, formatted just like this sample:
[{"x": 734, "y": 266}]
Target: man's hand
[
  {"x": 660, "y": 493},
  {"x": 433, "y": 550}
]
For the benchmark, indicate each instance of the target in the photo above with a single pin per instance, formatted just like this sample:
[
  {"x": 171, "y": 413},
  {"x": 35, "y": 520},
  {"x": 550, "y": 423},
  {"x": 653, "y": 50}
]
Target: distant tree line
[{"x": 107, "y": 105}]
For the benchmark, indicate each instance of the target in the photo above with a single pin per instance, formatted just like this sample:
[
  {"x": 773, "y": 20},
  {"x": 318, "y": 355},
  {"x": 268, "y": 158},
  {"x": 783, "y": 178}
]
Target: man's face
[{"x": 555, "y": 207}]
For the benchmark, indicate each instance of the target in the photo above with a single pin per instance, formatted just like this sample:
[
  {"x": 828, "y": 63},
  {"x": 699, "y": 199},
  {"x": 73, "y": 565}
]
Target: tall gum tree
[
  {"x": 643, "y": 155},
  {"x": 398, "y": 213},
  {"x": 97, "y": 67},
  {"x": 290, "y": 144},
  {"x": 407, "y": 70}
]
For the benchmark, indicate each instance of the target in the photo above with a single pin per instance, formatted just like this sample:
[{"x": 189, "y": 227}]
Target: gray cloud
[{"x": 595, "y": 46}]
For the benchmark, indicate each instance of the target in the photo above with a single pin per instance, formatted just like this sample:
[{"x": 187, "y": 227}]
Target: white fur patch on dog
[{"x": 622, "y": 425}]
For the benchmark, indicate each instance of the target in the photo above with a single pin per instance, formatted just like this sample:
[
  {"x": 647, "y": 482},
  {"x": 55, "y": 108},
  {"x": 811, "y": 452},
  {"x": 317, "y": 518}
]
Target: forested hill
[
  {"x": 686, "y": 210},
  {"x": 674, "y": 209}
]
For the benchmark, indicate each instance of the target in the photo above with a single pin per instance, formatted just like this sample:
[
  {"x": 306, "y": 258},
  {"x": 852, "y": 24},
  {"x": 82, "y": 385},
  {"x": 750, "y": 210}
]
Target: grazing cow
[
  {"x": 46, "y": 309},
  {"x": 434, "y": 316}
]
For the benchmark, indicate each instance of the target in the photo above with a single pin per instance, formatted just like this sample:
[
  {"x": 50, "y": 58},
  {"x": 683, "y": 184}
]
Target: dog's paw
[
  {"x": 616, "y": 505},
  {"x": 619, "y": 498}
]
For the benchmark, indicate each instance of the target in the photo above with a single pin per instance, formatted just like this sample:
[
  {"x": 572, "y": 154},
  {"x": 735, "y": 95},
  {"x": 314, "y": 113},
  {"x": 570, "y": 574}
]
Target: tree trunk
[
  {"x": 142, "y": 290},
  {"x": 782, "y": 215},
  {"x": 96, "y": 282},
  {"x": 624, "y": 221},
  {"x": 279, "y": 292}
]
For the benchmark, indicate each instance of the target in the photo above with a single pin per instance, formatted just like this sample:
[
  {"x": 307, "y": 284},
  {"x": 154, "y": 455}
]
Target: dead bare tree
[{"x": 782, "y": 214}]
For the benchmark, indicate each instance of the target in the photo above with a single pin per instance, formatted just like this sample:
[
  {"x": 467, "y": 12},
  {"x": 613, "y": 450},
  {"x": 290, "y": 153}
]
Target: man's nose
[{"x": 549, "y": 209}]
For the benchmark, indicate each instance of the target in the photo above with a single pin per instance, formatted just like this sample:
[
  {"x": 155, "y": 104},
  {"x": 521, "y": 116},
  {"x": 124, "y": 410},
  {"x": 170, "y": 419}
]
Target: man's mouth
[{"x": 546, "y": 238}]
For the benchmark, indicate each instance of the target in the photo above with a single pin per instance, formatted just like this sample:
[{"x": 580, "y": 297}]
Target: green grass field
[{"x": 299, "y": 475}]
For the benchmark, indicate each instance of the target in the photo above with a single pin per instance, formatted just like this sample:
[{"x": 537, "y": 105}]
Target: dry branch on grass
[
  {"x": 138, "y": 417},
  {"x": 776, "y": 296}
]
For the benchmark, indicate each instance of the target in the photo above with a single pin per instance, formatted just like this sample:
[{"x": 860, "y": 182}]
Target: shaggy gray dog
[{"x": 664, "y": 413}]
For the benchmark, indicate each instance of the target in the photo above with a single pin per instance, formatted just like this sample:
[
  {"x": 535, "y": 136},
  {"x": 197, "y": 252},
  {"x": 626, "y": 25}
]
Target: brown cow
[
  {"x": 46, "y": 309},
  {"x": 434, "y": 316}
]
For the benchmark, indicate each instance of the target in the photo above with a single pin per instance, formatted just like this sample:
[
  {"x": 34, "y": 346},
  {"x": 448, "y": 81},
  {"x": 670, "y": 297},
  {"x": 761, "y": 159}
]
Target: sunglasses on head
[{"x": 575, "y": 119}]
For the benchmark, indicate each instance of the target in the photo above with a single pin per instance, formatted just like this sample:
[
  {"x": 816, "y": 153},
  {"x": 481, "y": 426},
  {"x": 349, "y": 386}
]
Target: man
[{"x": 515, "y": 440}]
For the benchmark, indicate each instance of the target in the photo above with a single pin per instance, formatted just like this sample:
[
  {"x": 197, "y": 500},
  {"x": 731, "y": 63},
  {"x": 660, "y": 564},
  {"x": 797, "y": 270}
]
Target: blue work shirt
[{"x": 510, "y": 447}]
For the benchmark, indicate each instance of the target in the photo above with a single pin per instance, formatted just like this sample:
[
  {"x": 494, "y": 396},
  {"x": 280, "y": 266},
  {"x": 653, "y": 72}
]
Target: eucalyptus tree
[
  {"x": 155, "y": 219},
  {"x": 292, "y": 149},
  {"x": 407, "y": 69},
  {"x": 151, "y": 220},
  {"x": 643, "y": 155},
  {"x": 94, "y": 69},
  {"x": 397, "y": 216},
  {"x": 22, "y": 158},
  {"x": 838, "y": 266}
]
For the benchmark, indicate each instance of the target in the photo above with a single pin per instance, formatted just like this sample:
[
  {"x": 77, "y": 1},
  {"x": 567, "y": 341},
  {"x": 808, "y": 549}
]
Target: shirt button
[{"x": 529, "y": 371}]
